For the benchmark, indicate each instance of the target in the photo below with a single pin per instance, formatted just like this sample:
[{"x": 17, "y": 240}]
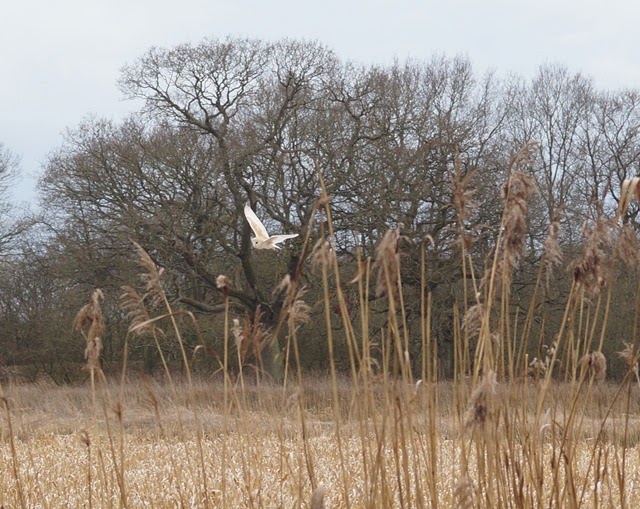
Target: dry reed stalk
[
  {"x": 15, "y": 471},
  {"x": 154, "y": 292},
  {"x": 516, "y": 192},
  {"x": 324, "y": 257},
  {"x": 388, "y": 284},
  {"x": 221, "y": 282},
  {"x": 297, "y": 312},
  {"x": 509, "y": 249},
  {"x": 142, "y": 323},
  {"x": 90, "y": 318}
]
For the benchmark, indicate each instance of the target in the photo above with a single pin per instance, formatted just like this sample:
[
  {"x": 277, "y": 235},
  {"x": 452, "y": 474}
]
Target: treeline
[{"x": 424, "y": 145}]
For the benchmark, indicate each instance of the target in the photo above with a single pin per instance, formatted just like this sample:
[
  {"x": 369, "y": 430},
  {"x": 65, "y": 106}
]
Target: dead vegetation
[{"x": 507, "y": 431}]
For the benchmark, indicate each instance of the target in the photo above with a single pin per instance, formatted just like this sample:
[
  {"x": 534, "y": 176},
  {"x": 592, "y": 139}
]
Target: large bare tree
[{"x": 226, "y": 122}]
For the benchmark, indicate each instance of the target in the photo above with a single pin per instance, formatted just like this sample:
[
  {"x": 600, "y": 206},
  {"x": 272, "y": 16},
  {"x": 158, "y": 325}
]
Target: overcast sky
[{"x": 60, "y": 59}]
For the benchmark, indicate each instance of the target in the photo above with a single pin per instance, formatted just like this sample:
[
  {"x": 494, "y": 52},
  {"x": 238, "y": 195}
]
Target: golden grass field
[{"x": 274, "y": 446}]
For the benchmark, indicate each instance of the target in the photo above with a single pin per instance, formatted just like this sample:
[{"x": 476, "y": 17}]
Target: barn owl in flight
[{"x": 262, "y": 239}]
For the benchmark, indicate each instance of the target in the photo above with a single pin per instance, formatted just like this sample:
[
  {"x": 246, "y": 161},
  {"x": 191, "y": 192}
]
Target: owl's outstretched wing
[
  {"x": 276, "y": 239},
  {"x": 256, "y": 225}
]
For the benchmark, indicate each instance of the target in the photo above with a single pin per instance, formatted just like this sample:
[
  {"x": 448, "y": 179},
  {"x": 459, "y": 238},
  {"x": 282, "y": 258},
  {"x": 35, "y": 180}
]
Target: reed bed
[
  {"x": 510, "y": 430},
  {"x": 263, "y": 450}
]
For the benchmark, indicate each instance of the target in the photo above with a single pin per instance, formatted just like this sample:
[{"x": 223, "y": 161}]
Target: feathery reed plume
[
  {"x": 237, "y": 333},
  {"x": 590, "y": 271},
  {"x": 479, "y": 408},
  {"x": 629, "y": 189},
  {"x": 321, "y": 255},
  {"x": 538, "y": 368},
  {"x": 630, "y": 357},
  {"x": 516, "y": 192},
  {"x": 293, "y": 401},
  {"x": 627, "y": 247},
  {"x": 223, "y": 282},
  {"x": 595, "y": 364},
  {"x": 300, "y": 311},
  {"x": 463, "y": 493},
  {"x": 317, "y": 498},
  {"x": 472, "y": 321},
  {"x": 463, "y": 201},
  {"x": 552, "y": 253},
  {"x": 90, "y": 318},
  {"x": 151, "y": 276},
  {"x": 250, "y": 337},
  {"x": 524, "y": 156},
  {"x": 283, "y": 286},
  {"x": 83, "y": 436},
  {"x": 132, "y": 302},
  {"x": 388, "y": 263}
]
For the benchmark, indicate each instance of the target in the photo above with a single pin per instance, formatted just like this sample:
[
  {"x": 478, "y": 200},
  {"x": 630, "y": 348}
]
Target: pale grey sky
[{"x": 59, "y": 60}]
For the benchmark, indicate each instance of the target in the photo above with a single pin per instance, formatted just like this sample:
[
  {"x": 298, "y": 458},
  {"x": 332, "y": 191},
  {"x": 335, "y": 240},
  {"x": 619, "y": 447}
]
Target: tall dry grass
[{"x": 511, "y": 429}]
